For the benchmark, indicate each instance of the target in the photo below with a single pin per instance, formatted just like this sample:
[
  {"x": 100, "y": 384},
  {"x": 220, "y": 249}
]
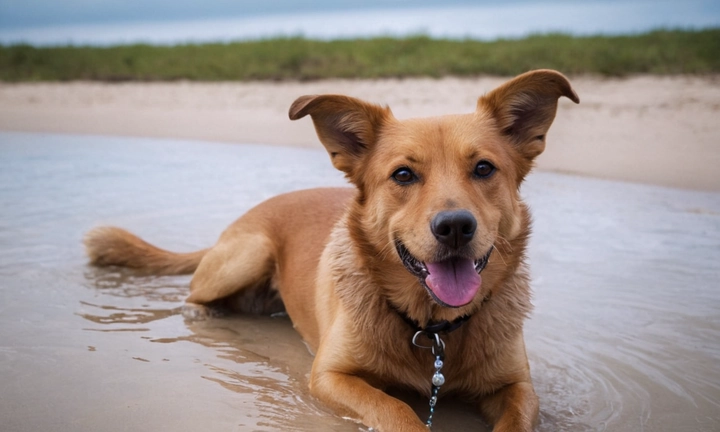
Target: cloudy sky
[
  {"x": 36, "y": 13},
  {"x": 26, "y": 13},
  {"x": 106, "y": 22}
]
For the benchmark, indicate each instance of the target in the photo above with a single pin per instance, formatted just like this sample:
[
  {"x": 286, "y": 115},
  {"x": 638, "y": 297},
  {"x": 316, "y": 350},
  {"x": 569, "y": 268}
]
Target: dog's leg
[
  {"x": 512, "y": 408},
  {"x": 336, "y": 380},
  {"x": 351, "y": 396},
  {"x": 240, "y": 260}
]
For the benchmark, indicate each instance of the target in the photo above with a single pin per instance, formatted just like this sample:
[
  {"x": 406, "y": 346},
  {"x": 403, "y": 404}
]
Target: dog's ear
[
  {"x": 346, "y": 126},
  {"x": 524, "y": 108}
]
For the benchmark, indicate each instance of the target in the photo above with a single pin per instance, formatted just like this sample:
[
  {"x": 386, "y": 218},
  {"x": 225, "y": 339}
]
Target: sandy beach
[
  {"x": 659, "y": 130},
  {"x": 615, "y": 342},
  {"x": 624, "y": 335}
]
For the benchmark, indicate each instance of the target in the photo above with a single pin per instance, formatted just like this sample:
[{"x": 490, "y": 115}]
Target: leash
[
  {"x": 437, "y": 346},
  {"x": 438, "y": 379}
]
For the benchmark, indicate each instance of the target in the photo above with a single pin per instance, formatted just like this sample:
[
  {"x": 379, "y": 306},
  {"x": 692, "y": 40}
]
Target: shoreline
[{"x": 661, "y": 130}]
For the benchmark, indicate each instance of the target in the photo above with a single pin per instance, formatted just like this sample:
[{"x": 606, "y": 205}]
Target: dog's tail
[{"x": 114, "y": 246}]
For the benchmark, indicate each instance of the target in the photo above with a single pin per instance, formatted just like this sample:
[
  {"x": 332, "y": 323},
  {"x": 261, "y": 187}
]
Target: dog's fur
[{"x": 331, "y": 258}]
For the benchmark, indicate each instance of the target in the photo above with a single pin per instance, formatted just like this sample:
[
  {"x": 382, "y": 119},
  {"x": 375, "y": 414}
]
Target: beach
[
  {"x": 626, "y": 222},
  {"x": 645, "y": 129},
  {"x": 168, "y": 139},
  {"x": 623, "y": 337}
]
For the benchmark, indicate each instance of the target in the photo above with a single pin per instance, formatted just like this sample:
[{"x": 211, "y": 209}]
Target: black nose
[{"x": 454, "y": 228}]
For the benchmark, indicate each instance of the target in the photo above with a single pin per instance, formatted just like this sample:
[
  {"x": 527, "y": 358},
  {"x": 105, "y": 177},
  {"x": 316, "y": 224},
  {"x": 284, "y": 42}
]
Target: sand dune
[{"x": 661, "y": 130}]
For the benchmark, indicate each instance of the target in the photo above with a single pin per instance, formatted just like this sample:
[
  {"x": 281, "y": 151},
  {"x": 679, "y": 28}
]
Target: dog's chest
[{"x": 396, "y": 362}]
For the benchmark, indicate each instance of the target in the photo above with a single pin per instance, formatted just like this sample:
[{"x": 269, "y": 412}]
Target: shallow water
[{"x": 625, "y": 335}]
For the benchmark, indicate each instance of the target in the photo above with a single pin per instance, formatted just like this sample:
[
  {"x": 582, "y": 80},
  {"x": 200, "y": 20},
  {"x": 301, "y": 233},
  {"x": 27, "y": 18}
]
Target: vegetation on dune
[{"x": 658, "y": 52}]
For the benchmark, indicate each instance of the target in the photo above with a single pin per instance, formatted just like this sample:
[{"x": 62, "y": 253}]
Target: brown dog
[{"x": 426, "y": 252}]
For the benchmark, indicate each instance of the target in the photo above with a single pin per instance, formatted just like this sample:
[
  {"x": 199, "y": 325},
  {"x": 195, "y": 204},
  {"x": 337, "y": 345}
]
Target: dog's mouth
[{"x": 452, "y": 282}]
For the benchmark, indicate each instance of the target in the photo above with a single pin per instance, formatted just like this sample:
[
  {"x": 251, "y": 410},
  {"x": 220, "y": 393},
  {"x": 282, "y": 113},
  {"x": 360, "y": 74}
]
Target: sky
[
  {"x": 36, "y": 13},
  {"x": 110, "y": 22}
]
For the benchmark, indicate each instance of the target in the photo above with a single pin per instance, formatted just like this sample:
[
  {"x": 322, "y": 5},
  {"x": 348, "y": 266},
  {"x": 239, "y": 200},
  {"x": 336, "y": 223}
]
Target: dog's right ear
[{"x": 346, "y": 126}]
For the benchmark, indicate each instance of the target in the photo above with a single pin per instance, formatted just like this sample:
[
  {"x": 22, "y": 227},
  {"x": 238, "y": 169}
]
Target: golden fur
[{"x": 328, "y": 256}]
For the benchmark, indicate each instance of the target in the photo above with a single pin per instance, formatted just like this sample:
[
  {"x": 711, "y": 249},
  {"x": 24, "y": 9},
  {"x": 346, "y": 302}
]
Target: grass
[{"x": 661, "y": 52}]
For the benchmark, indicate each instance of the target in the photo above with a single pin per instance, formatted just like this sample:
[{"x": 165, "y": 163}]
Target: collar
[
  {"x": 443, "y": 326},
  {"x": 435, "y": 327}
]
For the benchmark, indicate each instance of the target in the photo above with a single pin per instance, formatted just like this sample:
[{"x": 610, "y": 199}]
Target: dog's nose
[{"x": 454, "y": 228}]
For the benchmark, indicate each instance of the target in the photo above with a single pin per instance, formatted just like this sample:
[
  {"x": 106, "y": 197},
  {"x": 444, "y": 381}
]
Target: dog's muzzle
[{"x": 452, "y": 282}]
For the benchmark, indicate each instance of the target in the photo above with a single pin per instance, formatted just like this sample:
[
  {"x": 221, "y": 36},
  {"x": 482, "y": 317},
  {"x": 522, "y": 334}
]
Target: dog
[{"x": 414, "y": 279}]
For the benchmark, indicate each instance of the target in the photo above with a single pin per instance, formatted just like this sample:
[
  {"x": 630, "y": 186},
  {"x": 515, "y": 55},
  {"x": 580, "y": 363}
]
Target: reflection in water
[
  {"x": 122, "y": 282},
  {"x": 257, "y": 368},
  {"x": 127, "y": 316},
  {"x": 625, "y": 335},
  {"x": 127, "y": 284},
  {"x": 281, "y": 405}
]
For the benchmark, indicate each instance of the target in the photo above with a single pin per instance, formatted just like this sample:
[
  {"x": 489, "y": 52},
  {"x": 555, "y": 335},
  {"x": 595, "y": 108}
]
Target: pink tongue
[{"x": 454, "y": 282}]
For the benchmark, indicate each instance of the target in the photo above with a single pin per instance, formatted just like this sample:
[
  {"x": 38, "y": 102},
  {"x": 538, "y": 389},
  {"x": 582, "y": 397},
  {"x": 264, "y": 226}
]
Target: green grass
[{"x": 659, "y": 52}]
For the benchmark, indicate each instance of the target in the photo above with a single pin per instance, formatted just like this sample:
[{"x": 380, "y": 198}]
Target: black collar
[{"x": 443, "y": 326}]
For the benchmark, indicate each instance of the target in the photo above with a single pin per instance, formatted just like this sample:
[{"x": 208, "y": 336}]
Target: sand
[{"x": 659, "y": 130}]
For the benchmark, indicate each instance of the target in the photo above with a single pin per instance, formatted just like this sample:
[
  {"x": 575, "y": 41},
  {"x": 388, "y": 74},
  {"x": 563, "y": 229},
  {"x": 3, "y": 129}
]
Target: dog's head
[{"x": 438, "y": 194}]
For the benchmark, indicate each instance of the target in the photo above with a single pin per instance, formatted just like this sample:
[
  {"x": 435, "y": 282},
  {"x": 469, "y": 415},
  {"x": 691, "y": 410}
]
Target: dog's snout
[{"x": 454, "y": 228}]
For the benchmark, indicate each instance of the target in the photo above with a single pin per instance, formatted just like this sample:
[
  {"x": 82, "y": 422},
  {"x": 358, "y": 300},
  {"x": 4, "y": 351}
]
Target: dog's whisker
[
  {"x": 499, "y": 250},
  {"x": 506, "y": 242},
  {"x": 386, "y": 251},
  {"x": 502, "y": 257}
]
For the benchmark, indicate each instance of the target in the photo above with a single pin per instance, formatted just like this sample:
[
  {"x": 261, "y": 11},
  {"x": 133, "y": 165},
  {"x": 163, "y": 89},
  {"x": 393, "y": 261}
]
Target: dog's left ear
[
  {"x": 347, "y": 127},
  {"x": 524, "y": 107}
]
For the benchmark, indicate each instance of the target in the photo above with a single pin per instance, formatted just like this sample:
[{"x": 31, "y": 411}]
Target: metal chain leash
[{"x": 438, "y": 349}]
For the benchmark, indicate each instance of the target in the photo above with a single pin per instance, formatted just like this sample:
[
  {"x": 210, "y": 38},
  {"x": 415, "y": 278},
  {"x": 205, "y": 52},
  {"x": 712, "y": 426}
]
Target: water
[
  {"x": 625, "y": 335},
  {"x": 158, "y": 23}
]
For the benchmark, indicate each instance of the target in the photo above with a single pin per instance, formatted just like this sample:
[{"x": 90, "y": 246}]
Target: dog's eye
[
  {"x": 484, "y": 169},
  {"x": 404, "y": 176}
]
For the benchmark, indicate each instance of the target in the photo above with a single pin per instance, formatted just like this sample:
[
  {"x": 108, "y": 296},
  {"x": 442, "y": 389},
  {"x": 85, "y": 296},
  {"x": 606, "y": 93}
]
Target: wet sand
[
  {"x": 658, "y": 130},
  {"x": 624, "y": 337}
]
